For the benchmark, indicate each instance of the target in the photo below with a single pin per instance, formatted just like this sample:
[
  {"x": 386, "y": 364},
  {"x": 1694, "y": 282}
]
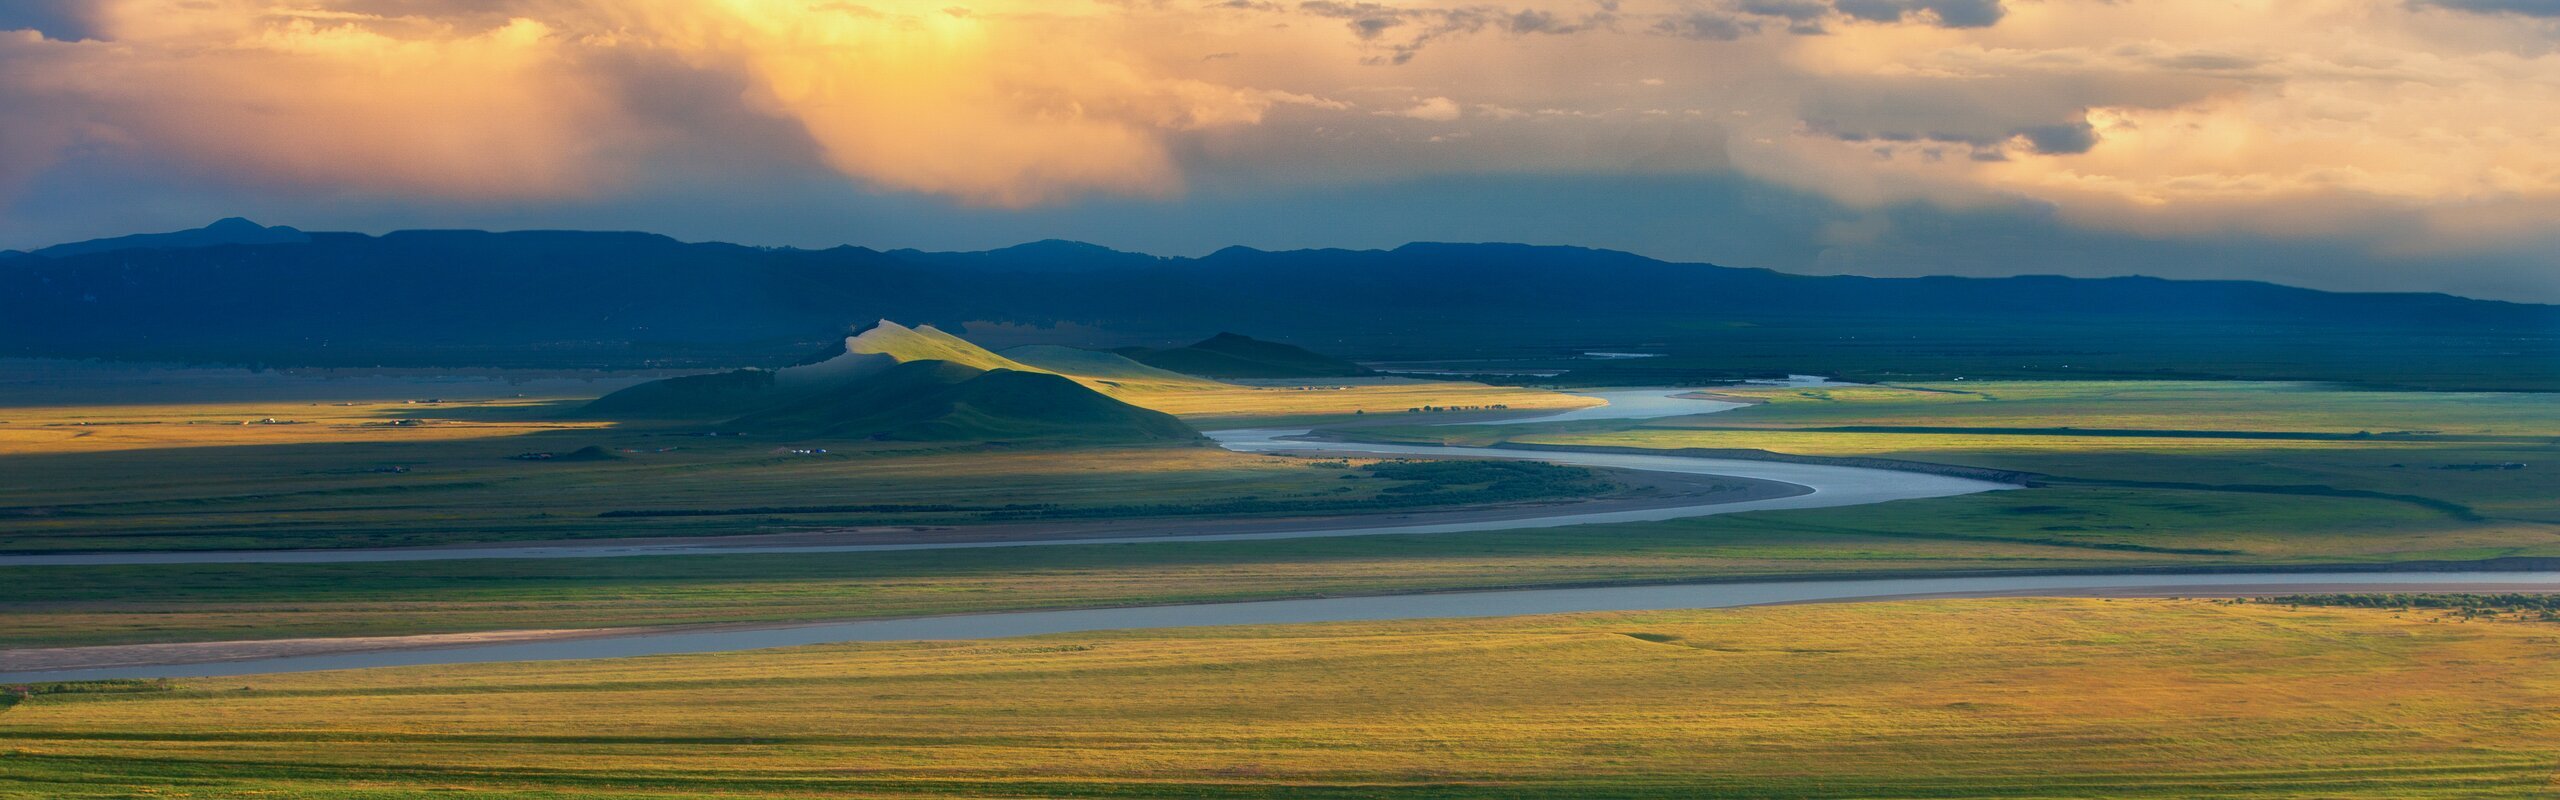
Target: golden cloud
[
  {"x": 2164, "y": 116},
  {"x": 1002, "y": 104}
]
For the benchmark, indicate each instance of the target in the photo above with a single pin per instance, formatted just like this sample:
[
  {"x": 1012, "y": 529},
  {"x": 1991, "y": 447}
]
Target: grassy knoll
[
  {"x": 1976, "y": 698},
  {"x": 1236, "y": 406}
]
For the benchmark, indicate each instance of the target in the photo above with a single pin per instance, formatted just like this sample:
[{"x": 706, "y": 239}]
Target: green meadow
[
  {"x": 2477, "y": 456},
  {"x": 54, "y": 606},
  {"x": 2102, "y": 501},
  {"x": 1971, "y": 698},
  {"x": 380, "y": 473}
]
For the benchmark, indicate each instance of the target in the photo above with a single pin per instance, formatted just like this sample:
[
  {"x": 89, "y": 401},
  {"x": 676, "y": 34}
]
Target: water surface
[
  {"x": 1338, "y": 609},
  {"x": 1825, "y": 486}
]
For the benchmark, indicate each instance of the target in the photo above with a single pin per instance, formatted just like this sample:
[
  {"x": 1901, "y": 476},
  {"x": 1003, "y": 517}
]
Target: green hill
[
  {"x": 718, "y": 395},
  {"x": 897, "y": 383},
  {"x": 1229, "y": 355},
  {"x": 945, "y": 401},
  {"x": 926, "y": 343}
]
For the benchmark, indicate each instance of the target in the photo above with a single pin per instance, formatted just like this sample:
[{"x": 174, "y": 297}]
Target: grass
[
  {"x": 2109, "y": 502},
  {"x": 2165, "y": 405},
  {"x": 1320, "y": 401},
  {"x": 1980, "y": 698},
  {"x": 2075, "y": 528},
  {"x": 2451, "y": 448},
  {"x": 386, "y": 473}
]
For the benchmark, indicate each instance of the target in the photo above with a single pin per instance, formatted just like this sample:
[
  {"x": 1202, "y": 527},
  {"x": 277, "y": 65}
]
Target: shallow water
[
  {"x": 1827, "y": 486},
  {"x": 1336, "y": 609},
  {"x": 1624, "y": 404}
]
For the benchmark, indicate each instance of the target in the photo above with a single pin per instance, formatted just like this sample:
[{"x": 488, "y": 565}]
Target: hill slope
[
  {"x": 886, "y": 344},
  {"x": 1229, "y": 355},
  {"x": 891, "y": 382},
  {"x": 230, "y": 230},
  {"x": 927, "y": 343},
  {"x": 717, "y": 395},
  {"x": 946, "y": 401}
]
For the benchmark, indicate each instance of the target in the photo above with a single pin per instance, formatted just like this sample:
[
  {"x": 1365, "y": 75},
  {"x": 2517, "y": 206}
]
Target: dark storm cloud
[
  {"x": 1708, "y": 25},
  {"x": 1413, "y": 28},
  {"x": 2064, "y": 138},
  {"x": 1403, "y": 31},
  {"x": 2530, "y": 8},
  {"x": 61, "y": 20},
  {"x": 1551, "y": 23},
  {"x": 1949, "y": 13},
  {"x": 2072, "y": 137},
  {"x": 2050, "y": 114}
]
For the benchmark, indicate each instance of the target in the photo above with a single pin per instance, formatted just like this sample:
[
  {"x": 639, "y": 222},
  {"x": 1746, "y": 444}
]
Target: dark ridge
[
  {"x": 569, "y": 299},
  {"x": 228, "y": 230}
]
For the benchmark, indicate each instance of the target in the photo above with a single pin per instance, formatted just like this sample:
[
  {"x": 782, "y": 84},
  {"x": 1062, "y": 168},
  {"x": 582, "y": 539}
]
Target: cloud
[
  {"x": 1711, "y": 25},
  {"x": 1435, "y": 109},
  {"x": 535, "y": 98},
  {"x": 999, "y": 106},
  {"x": 2529, "y": 8},
  {"x": 2314, "y": 121},
  {"x": 2064, "y": 139},
  {"x": 1402, "y": 31},
  {"x": 482, "y": 112},
  {"x": 63, "y": 20},
  {"x": 1950, "y": 13}
]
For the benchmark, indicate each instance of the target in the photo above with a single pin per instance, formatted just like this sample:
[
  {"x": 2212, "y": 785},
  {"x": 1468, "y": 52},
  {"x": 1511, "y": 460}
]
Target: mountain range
[{"x": 242, "y": 293}]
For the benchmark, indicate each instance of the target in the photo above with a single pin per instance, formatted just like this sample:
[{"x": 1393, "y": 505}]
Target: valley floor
[{"x": 1946, "y": 698}]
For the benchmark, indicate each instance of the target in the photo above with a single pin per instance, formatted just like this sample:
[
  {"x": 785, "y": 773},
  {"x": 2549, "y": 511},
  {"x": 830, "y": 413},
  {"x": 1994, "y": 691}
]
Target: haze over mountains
[{"x": 606, "y": 299}]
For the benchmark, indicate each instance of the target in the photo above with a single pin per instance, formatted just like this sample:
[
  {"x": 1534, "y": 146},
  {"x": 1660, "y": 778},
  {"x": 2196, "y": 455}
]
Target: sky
[{"x": 2377, "y": 145}]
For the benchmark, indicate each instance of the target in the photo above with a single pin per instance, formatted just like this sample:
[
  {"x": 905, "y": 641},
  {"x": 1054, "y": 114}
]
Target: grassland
[
  {"x": 1977, "y": 698},
  {"x": 317, "y": 473},
  {"x": 2108, "y": 502},
  {"x": 2486, "y": 456},
  {"x": 2116, "y": 529}
]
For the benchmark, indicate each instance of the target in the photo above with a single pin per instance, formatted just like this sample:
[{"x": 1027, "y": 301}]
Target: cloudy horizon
[{"x": 2340, "y": 145}]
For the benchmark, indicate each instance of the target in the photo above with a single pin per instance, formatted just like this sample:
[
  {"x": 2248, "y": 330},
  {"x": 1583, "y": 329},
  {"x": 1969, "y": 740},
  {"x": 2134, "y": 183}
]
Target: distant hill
[
  {"x": 1230, "y": 355},
  {"x": 229, "y": 230},
  {"x": 568, "y": 299},
  {"x": 891, "y": 382},
  {"x": 946, "y": 401}
]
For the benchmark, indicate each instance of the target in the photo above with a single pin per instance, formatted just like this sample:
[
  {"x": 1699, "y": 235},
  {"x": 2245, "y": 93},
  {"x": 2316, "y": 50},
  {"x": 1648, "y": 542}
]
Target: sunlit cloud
[
  {"x": 2438, "y": 120},
  {"x": 1003, "y": 104},
  {"x": 305, "y": 98}
]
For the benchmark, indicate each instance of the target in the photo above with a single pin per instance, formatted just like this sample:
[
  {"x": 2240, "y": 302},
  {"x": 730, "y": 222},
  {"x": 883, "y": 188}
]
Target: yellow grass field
[
  {"x": 1962, "y": 698},
  {"x": 1230, "y": 405},
  {"x": 102, "y": 428}
]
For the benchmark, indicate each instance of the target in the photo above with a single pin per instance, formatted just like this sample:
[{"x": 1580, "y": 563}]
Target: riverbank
[{"x": 535, "y": 647}]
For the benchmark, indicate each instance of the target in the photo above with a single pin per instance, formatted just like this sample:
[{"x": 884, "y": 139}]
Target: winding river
[
  {"x": 1341, "y": 609},
  {"x": 1826, "y": 486}
]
